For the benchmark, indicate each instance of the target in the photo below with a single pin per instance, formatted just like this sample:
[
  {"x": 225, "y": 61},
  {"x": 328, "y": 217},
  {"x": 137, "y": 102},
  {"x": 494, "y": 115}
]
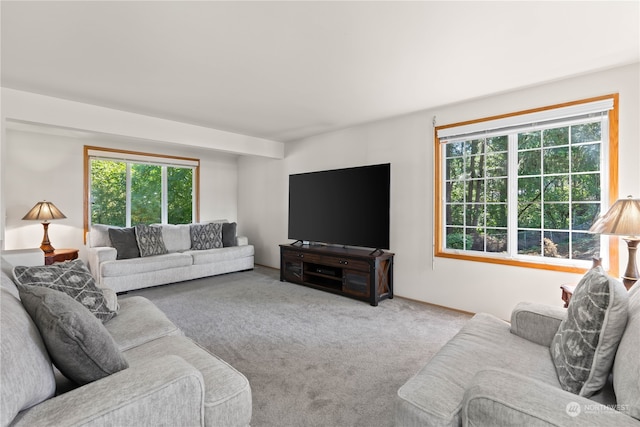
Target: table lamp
[
  {"x": 44, "y": 211},
  {"x": 623, "y": 219}
]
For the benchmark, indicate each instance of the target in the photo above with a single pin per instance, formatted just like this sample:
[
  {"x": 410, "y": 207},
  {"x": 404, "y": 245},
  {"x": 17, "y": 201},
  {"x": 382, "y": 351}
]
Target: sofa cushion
[
  {"x": 72, "y": 278},
  {"x": 206, "y": 236},
  {"x": 212, "y": 256},
  {"x": 229, "y": 234},
  {"x": 585, "y": 345},
  {"x": 77, "y": 341},
  {"x": 176, "y": 237},
  {"x": 434, "y": 395},
  {"x": 124, "y": 240},
  {"x": 128, "y": 267},
  {"x": 150, "y": 241},
  {"x": 99, "y": 235},
  {"x": 138, "y": 322},
  {"x": 626, "y": 374},
  {"x": 25, "y": 368},
  {"x": 227, "y": 399}
]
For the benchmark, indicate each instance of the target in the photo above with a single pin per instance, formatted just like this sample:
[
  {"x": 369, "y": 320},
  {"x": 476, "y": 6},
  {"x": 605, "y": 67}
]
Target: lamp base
[
  {"x": 46, "y": 244},
  {"x": 630, "y": 275}
]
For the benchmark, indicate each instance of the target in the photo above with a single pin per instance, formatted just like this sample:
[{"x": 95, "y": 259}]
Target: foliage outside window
[
  {"x": 527, "y": 193},
  {"x": 127, "y": 188}
]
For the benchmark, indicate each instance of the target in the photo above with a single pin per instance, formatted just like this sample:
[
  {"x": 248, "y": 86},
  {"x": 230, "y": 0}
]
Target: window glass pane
[
  {"x": 529, "y": 140},
  {"x": 497, "y": 164},
  {"x": 455, "y": 168},
  {"x": 529, "y": 215},
  {"x": 585, "y": 246},
  {"x": 497, "y": 215},
  {"x": 585, "y": 158},
  {"x": 496, "y": 190},
  {"x": 496, "y": 240},
  {"x": 108, "y": 192},
  {"x": 455, "y": 191},
  {"x": 475, "y": 215},
  {"x": 498, "y": 143},
  {"x": 456, "y": 238},
  {"x": 556, "y": 188},
  {"x": 556, "y": 216},
  {"x": 454, "y": 149},
  {"x": 475, "y": 190},
  {"x": 528, "y": 189},
  {"x": 557, "y": 136},
  {"x": 556, "y": 244},
  {"x": 179, "y": 195},
  {"x": 475, "y": 166},
  {"x": 583, "y": 215},
  {"x": 529, "y": 162},
  {"x": 556, "y": 160},
  {"x": 585, "y": 187},
  {"x": 587, "y": 132},
  {"x": 455, "y": 214},
  {"x": 529, "y": 242},
  {"x": 146, "y": 194}
]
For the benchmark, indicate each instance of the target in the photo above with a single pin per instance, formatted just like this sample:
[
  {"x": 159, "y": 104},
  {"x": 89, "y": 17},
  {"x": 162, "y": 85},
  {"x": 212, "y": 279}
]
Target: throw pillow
[
  {"x": 206, "y": 236},
  {"x": 78, "y": 343},
  {"x": 124, "y": 240},
  {"x": 71, "y": 277},
  {"x": 585, "y": 345},
  {"x": 150, "y": 241},
  {"x": 229, "y": 234}
]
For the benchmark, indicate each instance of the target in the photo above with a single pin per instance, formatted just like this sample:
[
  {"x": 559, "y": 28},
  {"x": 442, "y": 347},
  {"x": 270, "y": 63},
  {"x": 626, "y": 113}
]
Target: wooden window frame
[
  {"x": 163, "y": 159},
  {"x": 612, "y": 190}
]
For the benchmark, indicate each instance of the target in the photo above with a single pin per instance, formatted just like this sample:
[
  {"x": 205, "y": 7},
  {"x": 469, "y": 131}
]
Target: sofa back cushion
[
  {"x": 176, "y": 237},
  {"x": 626, "y": 372},
  {"x": 26, "y": 371}
]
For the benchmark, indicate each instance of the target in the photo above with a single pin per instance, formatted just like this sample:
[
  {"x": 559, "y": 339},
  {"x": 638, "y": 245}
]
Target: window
[
  {"x": 524, "y": 188},
  {"x": 126, "y": 188}
]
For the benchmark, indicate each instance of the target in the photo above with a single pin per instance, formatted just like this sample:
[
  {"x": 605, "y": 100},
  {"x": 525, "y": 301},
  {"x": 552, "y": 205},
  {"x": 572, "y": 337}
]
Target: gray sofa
[
  {"x": 170, "y": 380},
  {"x": 180, "y": 263},
  {"x": 496, "y": 373}
]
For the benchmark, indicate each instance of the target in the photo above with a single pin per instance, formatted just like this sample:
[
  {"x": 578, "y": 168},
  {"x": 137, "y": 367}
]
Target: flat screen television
[{"x": 347, "y": 207}]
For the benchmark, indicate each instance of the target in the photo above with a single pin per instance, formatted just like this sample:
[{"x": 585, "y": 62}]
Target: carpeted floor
[{"x": 312, "y": 358}]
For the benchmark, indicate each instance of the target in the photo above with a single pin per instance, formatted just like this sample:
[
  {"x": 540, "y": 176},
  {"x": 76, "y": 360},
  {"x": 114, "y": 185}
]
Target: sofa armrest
[
  {"x": 97, "y": 256},
  {"x": 242, "y": 240},
  {"x": 167, "y": 391},
  {"x": 537, "y": 323},
  {"x": 499, "y": 397}
]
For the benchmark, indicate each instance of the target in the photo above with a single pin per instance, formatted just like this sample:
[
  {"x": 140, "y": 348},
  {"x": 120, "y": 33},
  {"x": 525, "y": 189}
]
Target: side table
[{"x": 60, "y": 255}]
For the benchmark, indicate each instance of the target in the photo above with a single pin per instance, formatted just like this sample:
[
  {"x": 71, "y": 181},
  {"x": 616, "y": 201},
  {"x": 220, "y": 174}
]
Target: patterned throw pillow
[
  {"x": 585, "y": 345},
  {"x": 206, "y": 236},
  {"x": 71, "y": 277},
  {"x": 150, "y": 241}
]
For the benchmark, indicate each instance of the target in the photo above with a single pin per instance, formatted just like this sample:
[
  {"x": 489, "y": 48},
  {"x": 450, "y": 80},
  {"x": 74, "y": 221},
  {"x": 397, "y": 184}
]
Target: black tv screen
[{"x": 342, "y": 206}]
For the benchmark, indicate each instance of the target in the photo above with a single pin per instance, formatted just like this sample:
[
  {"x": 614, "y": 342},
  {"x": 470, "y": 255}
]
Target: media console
[{"x": 355, "y": 273}]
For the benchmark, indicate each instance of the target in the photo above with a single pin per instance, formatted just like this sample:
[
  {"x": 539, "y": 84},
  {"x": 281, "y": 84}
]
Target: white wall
[
  {"x": 45, "y": 166},
  {"x": 407, "y": 143}
]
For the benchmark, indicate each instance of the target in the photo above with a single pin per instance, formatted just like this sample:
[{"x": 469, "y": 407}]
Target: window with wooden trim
[
  {"x": 524, "y": 188},
  {"x": 125, "y": 188}
]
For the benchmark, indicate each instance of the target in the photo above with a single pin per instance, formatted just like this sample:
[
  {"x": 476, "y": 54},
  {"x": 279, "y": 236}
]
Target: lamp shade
[
  {"x": 622, "y": 219},
  {"x": 44, "y": 211}
]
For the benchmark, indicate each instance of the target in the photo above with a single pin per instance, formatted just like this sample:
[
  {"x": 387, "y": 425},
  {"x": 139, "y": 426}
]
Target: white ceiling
[{"x": 286, "y": 70}]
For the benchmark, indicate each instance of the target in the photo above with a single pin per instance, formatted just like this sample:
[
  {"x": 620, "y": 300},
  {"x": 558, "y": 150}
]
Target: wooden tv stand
[{"x": 355, "y": 273}]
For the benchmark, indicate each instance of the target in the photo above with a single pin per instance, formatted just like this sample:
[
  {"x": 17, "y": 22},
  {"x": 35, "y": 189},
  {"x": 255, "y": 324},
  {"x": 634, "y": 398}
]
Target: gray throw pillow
[
  {"x": 206, "y": 236},
  {"x": 71, "y": 277},
  {"x": 229, "y": 234},
  {"x": 78, "y": 343},
  {"x": 150, "y": 241},
  {"x": 585, "y": 345},
  {"x": 124, "y": 240}
]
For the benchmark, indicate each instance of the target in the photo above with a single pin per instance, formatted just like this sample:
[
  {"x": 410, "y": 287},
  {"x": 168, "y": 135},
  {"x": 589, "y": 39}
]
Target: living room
[{"x": 244, "y": 177}]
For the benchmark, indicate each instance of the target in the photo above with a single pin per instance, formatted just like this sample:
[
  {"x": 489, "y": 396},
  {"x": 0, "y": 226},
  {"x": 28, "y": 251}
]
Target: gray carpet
[{"x": 312, "y": 358}]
